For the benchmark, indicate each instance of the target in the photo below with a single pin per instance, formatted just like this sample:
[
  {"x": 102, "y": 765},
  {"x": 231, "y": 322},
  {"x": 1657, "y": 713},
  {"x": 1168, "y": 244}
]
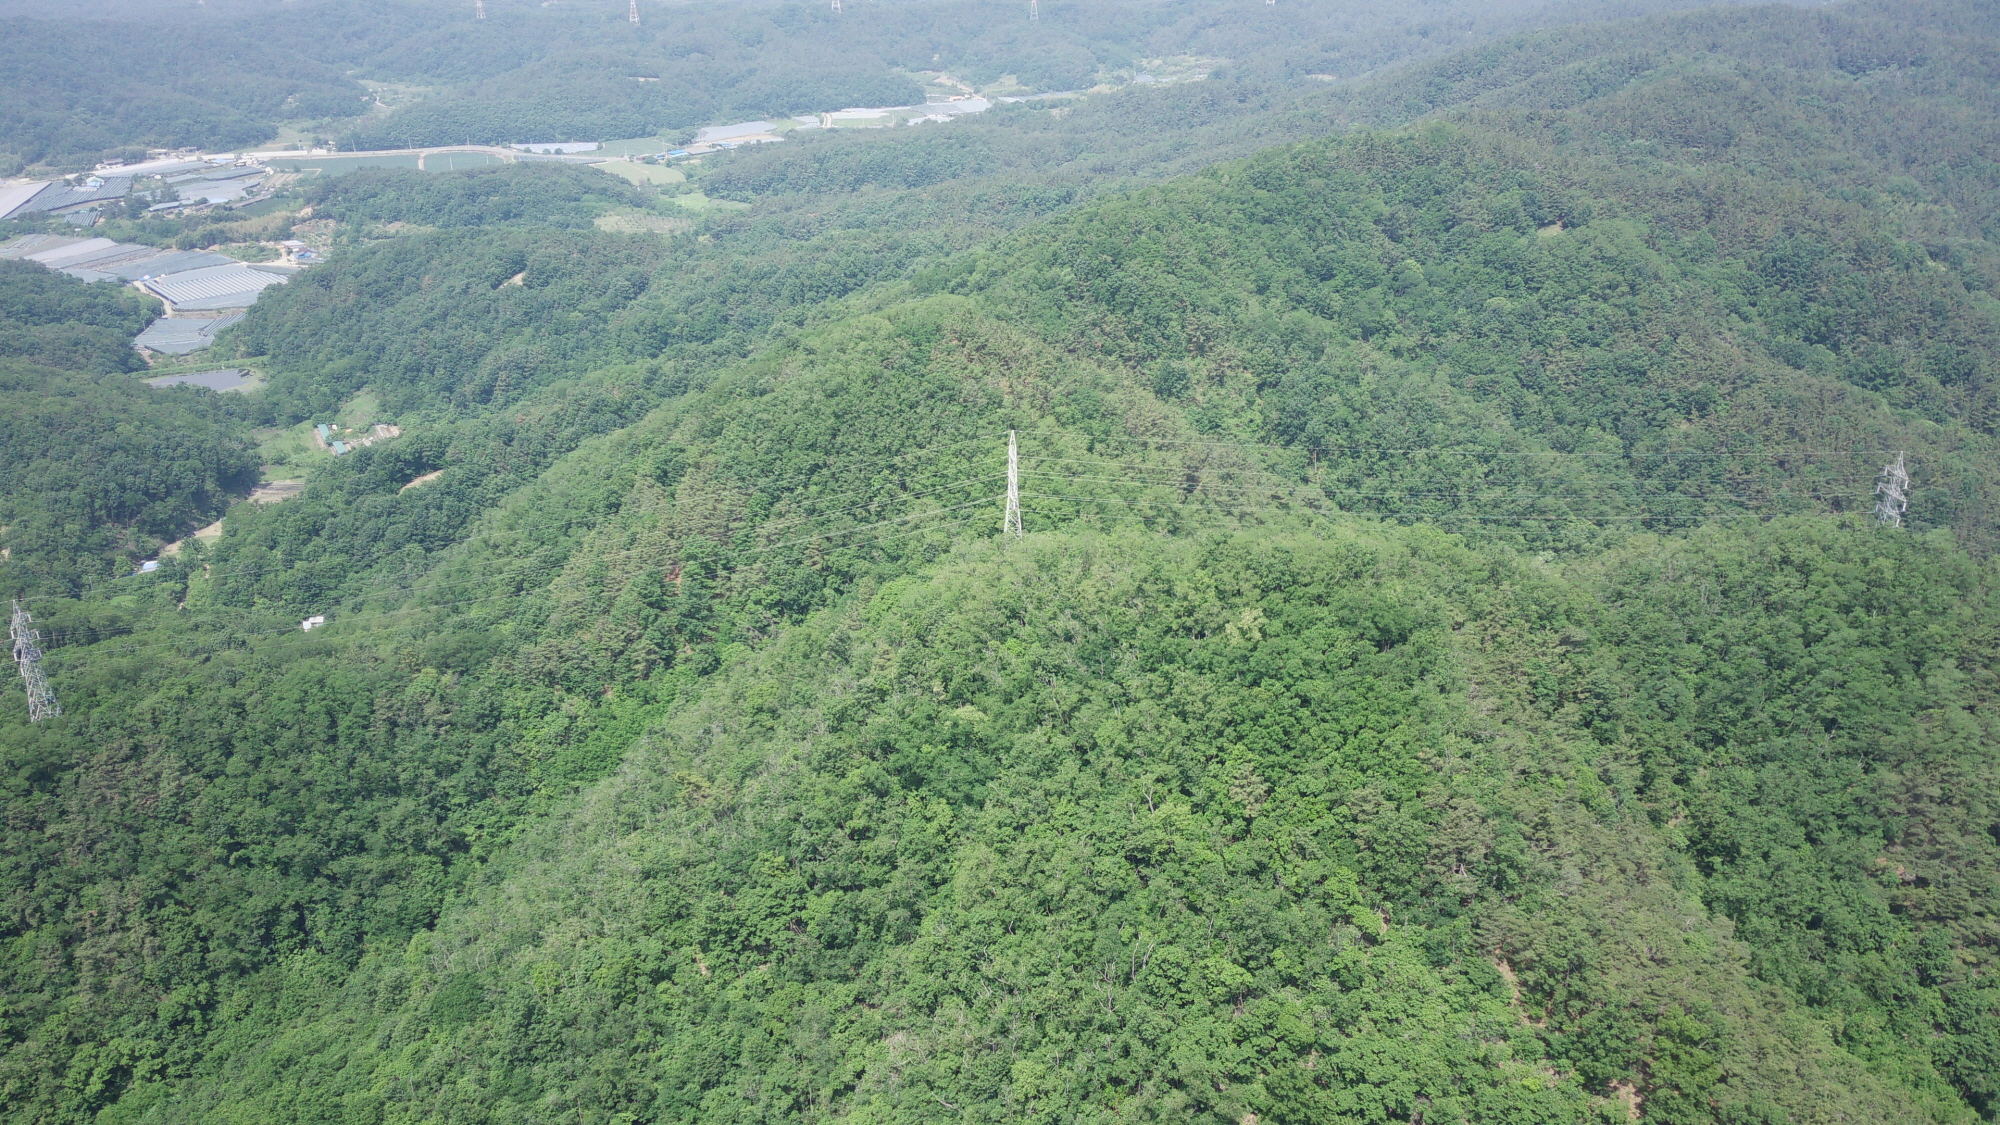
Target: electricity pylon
[
  {"x": 1034, "y": 11},
  {"x": 836, "y": 7},
  {"x": 1894, "y": 490},
  {"x": 28, "y": 658},
  {"x": 1012, "y": 524},
  {"x": 632, "y": 13},
  {"x": 479, "y": 9}
]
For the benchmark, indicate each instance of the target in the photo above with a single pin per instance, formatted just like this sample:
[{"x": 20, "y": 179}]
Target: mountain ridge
[{"x": 1446, "y": 673}]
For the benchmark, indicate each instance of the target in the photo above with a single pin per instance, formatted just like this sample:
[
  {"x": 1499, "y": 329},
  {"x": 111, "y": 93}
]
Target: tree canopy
[
  {"x": 1451, "y": 672},
  {"x": 99, "y": 468}
]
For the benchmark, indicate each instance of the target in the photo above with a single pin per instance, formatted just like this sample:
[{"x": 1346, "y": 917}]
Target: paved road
[{"x": 506, "y": 155}]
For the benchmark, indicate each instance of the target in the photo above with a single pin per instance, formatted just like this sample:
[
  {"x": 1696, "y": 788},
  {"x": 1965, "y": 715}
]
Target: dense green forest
[
  {"x": 78, "y": 90},
  {"x": 49, "y": 319},
  {"x": 557, "y": 195},
  {"x": 1518, "y": 296},
  {"x": 232, "y": 75},
  {"x": 99, "y": 469},
  {"x": 1451, "y": 672},
  {"x": 1245, "y": 827}
]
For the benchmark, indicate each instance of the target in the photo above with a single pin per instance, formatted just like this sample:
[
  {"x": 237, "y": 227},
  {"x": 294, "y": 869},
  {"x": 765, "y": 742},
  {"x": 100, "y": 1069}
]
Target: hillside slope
[
  {"x": 1327, "y": 825},
  {"x": 1450, "y": 672},
  {"x": 234, "y": 75},
  {"x": 99, "y": 469},
  {"x": 1503, "y": 766},
  {"x": 1574, "y": 266}
]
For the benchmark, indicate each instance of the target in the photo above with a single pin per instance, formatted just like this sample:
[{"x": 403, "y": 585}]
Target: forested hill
[
  {"x": 1534, "y": 289},
  {"x": 1451, "y": 672},
  {"x": 89, "y": 83},
  {"x": 557, "y": 195},
  {"x": 99, "y": 469}
]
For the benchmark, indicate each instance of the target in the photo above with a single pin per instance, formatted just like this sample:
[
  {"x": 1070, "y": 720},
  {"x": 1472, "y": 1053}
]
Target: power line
[
  {"x": 1010, "y": 523},
  {"x": 1212, "y": 504},
  {"x": 764, "y": 486},
  {"x": 82, "y": 635},
  {"x": 28, "y": 658},
  {"x": 1303, "y": 510},
  {"x": 1207, "y": 481},
  {"x": 1215, "y": 508},
  {"x": 1608, "y": 490},
  {"x": 767, "y": 487},
  {"x": 1892, "y": 486},
  {"x": 359, "y": 597},
  {"x": 780, "y": 482},
  {"x": 358, "y": 593},
  {"x": 1448, "y": 452},
  {"x": 1107, "y": 462},
  {"x": 1704, "y": 487},
  {"x": 293, "y": 630},
  {"x": 1893, "y": 492},
  {"x": 1205, "y": 490}
]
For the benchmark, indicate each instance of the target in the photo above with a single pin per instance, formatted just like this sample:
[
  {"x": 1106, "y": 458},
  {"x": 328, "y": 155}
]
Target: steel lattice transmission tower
[
  {"x": 1034, "y": 10},
  {"x": 836, "y": 7},
  {"x": 479, "y": 9},
  {"x": 632, "y": 13},
  {"x": 28, "y": 658},
  {"x": 1011, "y": 525},
  {"x": 1894, "y": 489}
]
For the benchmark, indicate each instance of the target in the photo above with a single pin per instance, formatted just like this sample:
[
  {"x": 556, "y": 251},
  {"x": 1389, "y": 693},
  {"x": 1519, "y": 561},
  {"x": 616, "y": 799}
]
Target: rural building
[
  {"x": 234, "y": 286},
  {"x": 181, "y": 335},
  {"x": 57, "y": 197},
  {"x": 226, "y": 379},
  {"x": 195, "y": 284}
]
